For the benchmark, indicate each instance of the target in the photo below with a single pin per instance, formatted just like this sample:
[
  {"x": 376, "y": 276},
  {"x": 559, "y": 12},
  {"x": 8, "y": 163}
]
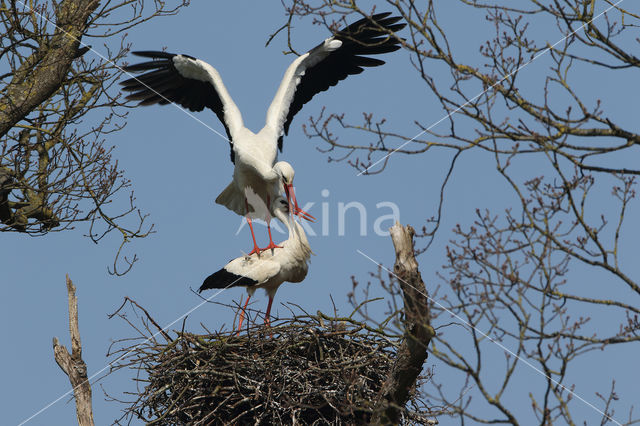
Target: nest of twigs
[{"x": 305, "y": 371}]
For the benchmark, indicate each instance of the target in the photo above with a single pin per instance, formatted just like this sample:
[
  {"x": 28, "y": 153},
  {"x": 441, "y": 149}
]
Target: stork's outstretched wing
[
  {"x": 186, "y": 81},
  {"x": 343, "y": 54}
]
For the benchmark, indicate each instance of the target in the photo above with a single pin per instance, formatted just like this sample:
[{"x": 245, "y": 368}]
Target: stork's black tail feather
[{"x": 224, "y": 279}]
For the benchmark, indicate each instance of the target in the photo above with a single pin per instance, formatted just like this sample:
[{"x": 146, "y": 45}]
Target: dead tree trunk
[
  {"x": 73, "y": 365},
  {"x": 418, "y": 332}
]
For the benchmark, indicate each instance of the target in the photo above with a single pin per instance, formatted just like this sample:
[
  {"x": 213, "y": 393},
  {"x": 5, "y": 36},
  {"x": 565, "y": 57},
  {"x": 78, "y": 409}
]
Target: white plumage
[
  {"x": 270, "y": 269},
  {"x": 195, "y": 84},
  {"x": 255, "y": 199}
]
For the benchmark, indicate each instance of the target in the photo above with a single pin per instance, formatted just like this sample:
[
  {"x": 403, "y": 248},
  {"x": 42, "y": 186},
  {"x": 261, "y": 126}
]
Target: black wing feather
[
  {"x": 224, "y": 279},
  {"x": 155, "y": 54},
  {"x": 163, "y": 84},
  {"x": 358, "y": 39}
]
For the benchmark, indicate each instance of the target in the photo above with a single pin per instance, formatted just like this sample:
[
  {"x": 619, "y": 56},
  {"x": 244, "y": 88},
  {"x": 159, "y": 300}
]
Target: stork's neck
[
  {"x": 297, "y": 242},
  {"x": 299, "y": 236}
]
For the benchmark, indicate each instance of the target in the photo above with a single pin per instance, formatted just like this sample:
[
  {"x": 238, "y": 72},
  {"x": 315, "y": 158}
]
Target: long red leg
[
  {"x": 271, "y": 245},
  {"x": 267, "y": 321},
  {"x": 256, "y": 249},
  {"x": 242, "y": 315}
]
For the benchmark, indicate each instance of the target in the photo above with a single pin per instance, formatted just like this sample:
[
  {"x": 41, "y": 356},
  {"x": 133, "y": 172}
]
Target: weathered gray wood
[
  {"x": 418, "y": 331},
  {"x": 72, "y": 364}
]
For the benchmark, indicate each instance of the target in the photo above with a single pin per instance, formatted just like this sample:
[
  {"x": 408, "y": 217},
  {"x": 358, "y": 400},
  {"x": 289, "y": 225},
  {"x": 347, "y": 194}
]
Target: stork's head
[
  {"x": 281, "y": 204},
  {"x": 286, "y": 173},
  {"x": 281, "y": 208}
]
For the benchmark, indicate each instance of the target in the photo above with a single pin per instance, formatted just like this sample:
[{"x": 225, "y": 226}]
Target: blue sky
[{"x": 178, "y": 167}]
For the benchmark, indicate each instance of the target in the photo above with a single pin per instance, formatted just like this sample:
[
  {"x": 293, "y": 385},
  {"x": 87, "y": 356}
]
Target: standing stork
[
  {"x": 287, "y": 262},
  {"x": 195, "y": 84}
]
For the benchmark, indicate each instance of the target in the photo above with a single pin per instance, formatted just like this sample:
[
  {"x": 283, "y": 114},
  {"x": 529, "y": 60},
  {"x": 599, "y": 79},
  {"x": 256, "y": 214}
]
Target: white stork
[
  {"x": 195, "y": 84},
  {"x": 288, "y": 262},
  {"x": 254, "y": 206}
]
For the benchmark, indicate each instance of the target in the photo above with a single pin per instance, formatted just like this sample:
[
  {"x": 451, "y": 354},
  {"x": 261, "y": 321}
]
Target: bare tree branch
[
  {"x": 72, "y": 364},
  {"x": 42, "y": 72},
  {"x": 57, "y": 108},
  {"x": 418, "y": 332}
]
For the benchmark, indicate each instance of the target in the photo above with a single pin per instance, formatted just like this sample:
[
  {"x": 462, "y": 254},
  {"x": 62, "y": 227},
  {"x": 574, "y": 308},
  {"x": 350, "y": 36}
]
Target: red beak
[{"x": 291, "y": 197}]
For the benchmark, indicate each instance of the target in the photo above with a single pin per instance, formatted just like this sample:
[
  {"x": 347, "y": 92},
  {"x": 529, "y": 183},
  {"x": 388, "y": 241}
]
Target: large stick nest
[{"x": 306, "y": 371}]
